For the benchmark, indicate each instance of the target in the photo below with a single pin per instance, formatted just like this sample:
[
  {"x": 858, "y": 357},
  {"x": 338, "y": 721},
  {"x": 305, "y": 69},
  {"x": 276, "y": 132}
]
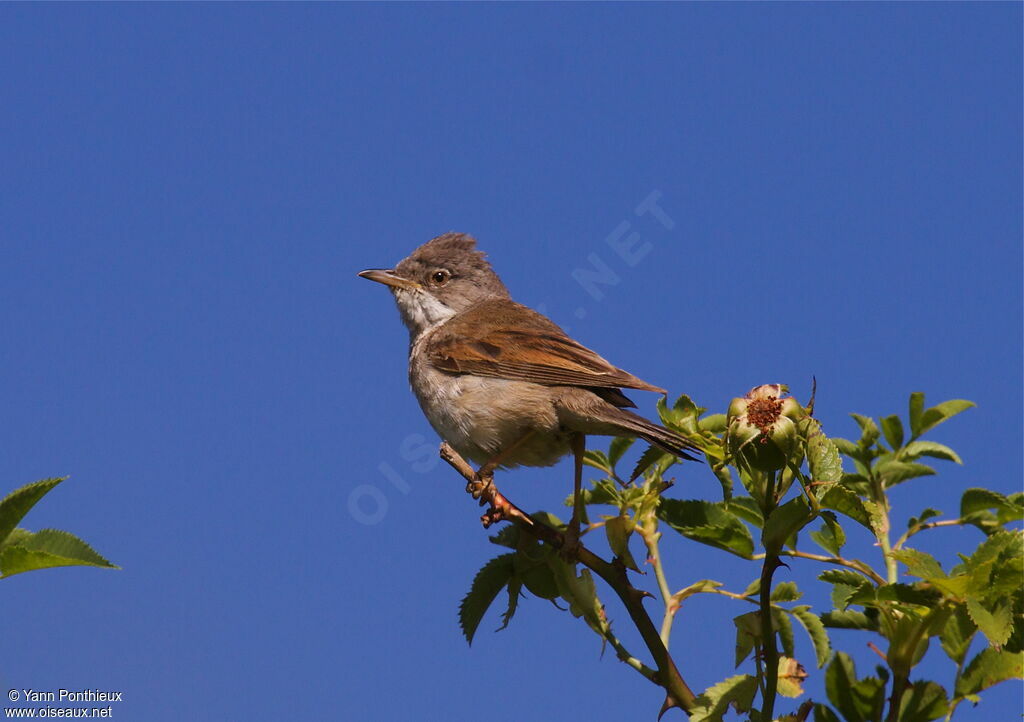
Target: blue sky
[{"x": 188, "y": 191}]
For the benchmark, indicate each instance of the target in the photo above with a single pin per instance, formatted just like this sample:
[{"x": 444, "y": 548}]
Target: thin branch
[
  {"x": 648, "y": 531},
  {"x": 854, "y": 564},
  {"x": 919, "y": 527},
  {"x": 678, "y": 693}
]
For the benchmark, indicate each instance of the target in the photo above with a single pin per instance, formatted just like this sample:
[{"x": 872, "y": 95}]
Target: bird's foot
[{"x": 481, "y": 485}]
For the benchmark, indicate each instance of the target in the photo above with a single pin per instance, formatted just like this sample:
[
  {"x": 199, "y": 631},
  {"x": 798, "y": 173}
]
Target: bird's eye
[{"x": 440, "y": 277}]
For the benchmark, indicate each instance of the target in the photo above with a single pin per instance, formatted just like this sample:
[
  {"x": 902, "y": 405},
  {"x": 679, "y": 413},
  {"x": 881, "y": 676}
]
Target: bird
[{"x": 501, "y": 383}]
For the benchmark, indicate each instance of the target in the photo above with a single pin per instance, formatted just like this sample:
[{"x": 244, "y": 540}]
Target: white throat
[{"x": 420, "y": 310}]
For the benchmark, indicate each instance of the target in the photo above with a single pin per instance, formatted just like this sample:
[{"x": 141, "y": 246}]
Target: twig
[
  {"x": 923, "y": 526},
  {"x": 678, "y": 693},
  {"x": 854, "y": 564}
]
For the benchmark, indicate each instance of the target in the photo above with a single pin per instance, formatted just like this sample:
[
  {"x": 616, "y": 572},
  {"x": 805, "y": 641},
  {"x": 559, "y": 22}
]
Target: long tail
[{"x": 661, "y": 437}]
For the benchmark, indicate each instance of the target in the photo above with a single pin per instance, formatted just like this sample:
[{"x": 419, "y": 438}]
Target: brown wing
[{"x": 505, "y": 340}]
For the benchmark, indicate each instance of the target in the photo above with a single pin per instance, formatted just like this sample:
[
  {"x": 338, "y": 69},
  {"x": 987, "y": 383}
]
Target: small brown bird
[{"x": 502, "y": 384}]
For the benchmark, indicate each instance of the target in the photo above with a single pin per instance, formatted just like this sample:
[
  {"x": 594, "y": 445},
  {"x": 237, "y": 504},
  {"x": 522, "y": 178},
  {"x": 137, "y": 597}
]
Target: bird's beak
[{"x": 388, "y": 278}]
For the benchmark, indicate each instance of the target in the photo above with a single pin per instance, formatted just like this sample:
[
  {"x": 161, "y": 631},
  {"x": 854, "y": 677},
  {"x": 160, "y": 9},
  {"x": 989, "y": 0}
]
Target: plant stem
[
  {"x": 770, "y": 650},
  {"x": 678, "y": 693},
  {"x": 648, "y": 531}
]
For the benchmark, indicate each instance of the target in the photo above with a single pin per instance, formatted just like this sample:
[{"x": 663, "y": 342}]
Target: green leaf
[
  {"x": 842, "y": 576},
  {"x": 851, "y": 619},
  {"x": 919, "y": 564},
  {"x": 491, "y": 579},
  {"x": 782, "y": 626},
  {"x": 895, "y": 472},
  {"x": 48, "y": 548},
  {"x": 937, "y": 414},
  {"x": 784, "y": 522},
  {"x": 831, "y": 536},
  {"x": 709, "y": 523},
  {"x": 812, "y": 623},
  {"x": 785, "y": 592},
  {"x": 996, "y": 624},
  {"x": 916, "y": 449},
  {"x": 791, "y": 675},
  {"x": 715, "y": 701},
  {"x": 923, "y": 701},
  {"x": 618, "y": 529},
  {"x": 715, "y": 423},
  {"x": 748, "y": 633},
  {"x": 988, "y": 668},
  {"x": 869, "y": 432},
  {"x": 653, "y": 456},
  {"x": 597, "y": 459},
  {"x": 916, "y": 411},
  {"x": 823, "y": 458},
  {"x": 957, "y": 634},
  {"x": 976, "y": 500},
  {"x": 823, "y": 713},
  {"x": 857, "y": 700},
  {"x": 604, "y": 492},
  {"x": 746, "y": 509},
  {"x": 846, "y": 502},
  {"x": 892, "y": 427},
  {"x": 617, "y": 448},
  {"x": 18, "y": 503},
  {"x": 704, "y": 585}
]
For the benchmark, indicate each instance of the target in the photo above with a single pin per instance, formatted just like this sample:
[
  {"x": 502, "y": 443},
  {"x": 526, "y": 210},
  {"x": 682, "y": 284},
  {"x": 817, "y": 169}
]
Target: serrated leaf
[
  {"x": 715, "y": 423},
  {"x": 48, "y": 548},
  {"x": 785, "y": 592},
  {"x": 916, "y": 410},
  {"x": 737, "y": 692},
  {"x": 746, "y": 509},
  {"x": 514, "y": 590},
  {"x": 996, "y": 624},
  {"x": 488, "y": 582},
  {"x": 653, "y": 456},
  {"x": 18, "y": 503},
  {"x": 791, "y": 677},
  {"x": 902, "y": 593},
  {"x": 846, "y": 502},
  {"x": 618, "y": 530},
  {"x": 597, "y": 459},
  {"x": 957, "y": 634},
  {"x": 934, "y": 416},
  {"x": 896, "y": 472},
  {"x": 977, "y": 500},
  {"x": 830, "y": 536},
  {"x": 988, "y": 668},
  {"x": 858, "y": 700},
  {"x": 619, "y": 446},
  {"x": 869, "y": 432},
  {"x": 823, "y": 459},
  {"x": 709, "y": 523},
  {"x": 923, "y": 701},
  {"x": 846, "y": 447},
  {"x": 782, "y": 626},
  {"x": 919, "y": 564},
  {"x": 784, "y": 522},
  {"x": 892, "y": 427},
  {"x": 748, "y": 633},
  {"x": 704, "y": 585},
  {"x": 850, "y": 619},
  {"x": 933, "y": 449},
  {"x": 842, "y": 576},
  {"x": 822, "y": 713},
  {"x": 603, "y": 492},
  {"x": 816, "y": 631}
]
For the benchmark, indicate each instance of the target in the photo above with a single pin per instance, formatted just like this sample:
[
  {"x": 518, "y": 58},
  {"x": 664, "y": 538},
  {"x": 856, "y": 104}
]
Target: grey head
[{"x": 439, "y": 279}]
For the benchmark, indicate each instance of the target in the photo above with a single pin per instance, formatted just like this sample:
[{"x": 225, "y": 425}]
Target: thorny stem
[
  {"x": 771, "y": 651},
  {"x": 667, "y": 675}
]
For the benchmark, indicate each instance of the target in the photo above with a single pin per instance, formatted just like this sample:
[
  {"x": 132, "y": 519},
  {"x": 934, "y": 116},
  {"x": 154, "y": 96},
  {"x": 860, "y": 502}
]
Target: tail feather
[{"x": 663, "y": 438}]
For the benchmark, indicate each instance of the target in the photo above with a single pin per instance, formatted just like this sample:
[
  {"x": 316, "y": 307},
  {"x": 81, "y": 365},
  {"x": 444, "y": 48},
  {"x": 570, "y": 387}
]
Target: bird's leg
[
  {"x": 485, "y": 474},
  {"x": 578, "y": 442}
]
